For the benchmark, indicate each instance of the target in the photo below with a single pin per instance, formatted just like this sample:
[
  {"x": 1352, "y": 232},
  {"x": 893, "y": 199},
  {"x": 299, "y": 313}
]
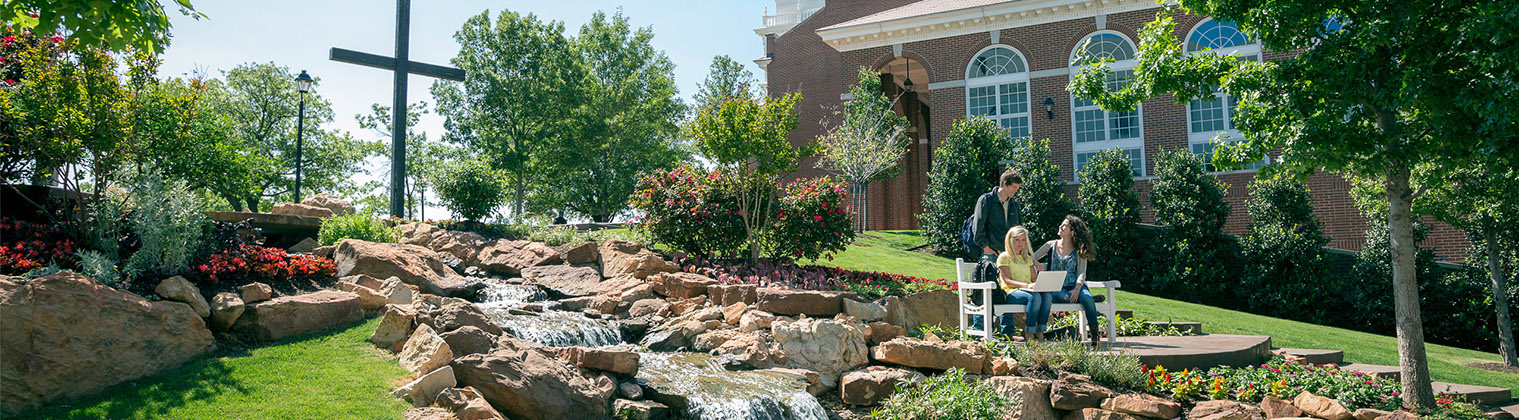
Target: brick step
[
  {"x": 1506, "y": 411},
  {"x": 1125, "y": 314},
  {"x": 1196, "y": 328},
  {"x": 1485, "y": 395},
  {"x": 1316, "y": 356},
  {"x": 1385, "y": 372}
]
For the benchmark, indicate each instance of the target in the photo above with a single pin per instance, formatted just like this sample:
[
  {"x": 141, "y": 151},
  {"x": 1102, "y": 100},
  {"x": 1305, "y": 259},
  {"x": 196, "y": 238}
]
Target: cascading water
[
  {"x": 503, "y": 302},
  {"x": 713, "y": 393}
]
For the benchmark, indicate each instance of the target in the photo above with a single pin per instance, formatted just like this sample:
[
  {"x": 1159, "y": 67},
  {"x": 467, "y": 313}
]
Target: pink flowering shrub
[
  {"x": 811, "y": 221},
  {"x": 684, "y": 208}
]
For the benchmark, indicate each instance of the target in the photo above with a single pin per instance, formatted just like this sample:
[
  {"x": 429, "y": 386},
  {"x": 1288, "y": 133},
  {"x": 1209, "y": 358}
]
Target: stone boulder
[
  {"x": 873, "y": 384},
  {"x": 369, "y": 299},
  {"x": 881, "y": 332},
  {"x": 618, "y": 257},
  {"x": 755, "y": 321},
  {"x": 179, "y": 289},
  {"x": 1143, "y": 405},
  {"x": 397, "y": 292},
  {"x": 584, "y": 253},
  {"x": 526, "y": 383},
  {"x": 646, "y": 307},
  {"x": 255, "y": 292},
  {"x": 428, "y": 413},
  {"x": 1321, "y": 407},
  {"x": 938, "y": 355},
  {"x": 642, "y": 410},
  {"x": 455, "y": 314},
  {"x": 1034, "y": 394},
  {"x": 830, "y": 347},
  {"x": 1399, "y": 415},
  {"x": 1077, "y": 392},
  {"x": 564, "y": 280},
  {"x": 865, "y": 311},
  {"x": 288, "y": 316},
  {"x": 621, "y": 362},
  {"x": 395, "y": 325},
  {"x": 681, "y": 285},
  {"x": 506, "y": 257},
  {"x": 750, "y": 350},
  {"x": 296, "y": 209},
  {"x": 66, "y": 336},
  {"x": 728, "y": 294},
  {"x": 467, "y": 404},
  {"x": 1276, "y": 408},
  {"x": 425, "y": 351},
  {"x": 733, "y": 313},
  {"x": 934, "y": 307},
  {"x": 1369, "y": 413},
  {"x": 673, "y": 336},
  {"x": 1099, "y": 414},
  {"x": 1225, "y": 410},
  {"x": 225, "y": 308},
  {"x": 305, "y": 246},
  {"x": 338, "y": 206},
  {"x": 812, "y": 303},
  {"x": 469, "y": 340},
  {"x": 422, "y": 390},
  {"x": 463, "y": 246},
  {"x": 410, "y": 263}
]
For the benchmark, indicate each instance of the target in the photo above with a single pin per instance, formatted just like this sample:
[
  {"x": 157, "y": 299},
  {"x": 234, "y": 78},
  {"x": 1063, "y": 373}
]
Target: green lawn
[
  {"x": 888, "y": 251},
  {"x": 336, "y": 375}
]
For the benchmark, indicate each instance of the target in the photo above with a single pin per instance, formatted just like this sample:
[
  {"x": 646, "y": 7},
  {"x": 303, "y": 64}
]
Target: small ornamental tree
[
  {"x": 811, "y": 222},
  {"x": 867, "y": 141},
  {"x": 964, "y": 167},
  {"x": 1283, "y": 252},
  {"x": 1189, "y": 205},
  {"x": 746, "y": 137},
  {"x": 470, "y": 189},
  {"x": 1111, "y": 209},
  {"x": 1043, "y": 192}
]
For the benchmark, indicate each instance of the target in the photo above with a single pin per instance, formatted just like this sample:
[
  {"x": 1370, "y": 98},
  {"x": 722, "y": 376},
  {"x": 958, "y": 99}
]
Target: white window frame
[
  {"x": 1229, "y": 133},
  {"x": 996, "y": 82},
  {"x": 1136, "y": 143}
]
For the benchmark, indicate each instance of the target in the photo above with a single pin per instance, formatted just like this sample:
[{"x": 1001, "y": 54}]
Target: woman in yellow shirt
[{"x": 1018, "y": 270}]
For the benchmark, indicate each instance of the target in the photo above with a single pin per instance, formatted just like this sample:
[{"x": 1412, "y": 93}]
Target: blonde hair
[{"x": 1007, "y": 243}]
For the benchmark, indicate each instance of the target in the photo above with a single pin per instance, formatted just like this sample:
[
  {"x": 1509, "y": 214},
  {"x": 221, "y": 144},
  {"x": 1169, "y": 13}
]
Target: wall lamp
[{"x": 1049, "y": 107}]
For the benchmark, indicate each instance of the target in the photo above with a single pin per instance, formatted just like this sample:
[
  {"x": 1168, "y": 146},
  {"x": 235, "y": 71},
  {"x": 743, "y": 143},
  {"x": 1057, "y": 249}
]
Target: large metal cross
[{"x": 402, "y": 67}]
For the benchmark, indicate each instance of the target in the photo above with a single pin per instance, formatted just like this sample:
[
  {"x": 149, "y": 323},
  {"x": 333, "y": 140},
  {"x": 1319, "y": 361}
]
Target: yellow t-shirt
[{"x": 1019, "y": 266}]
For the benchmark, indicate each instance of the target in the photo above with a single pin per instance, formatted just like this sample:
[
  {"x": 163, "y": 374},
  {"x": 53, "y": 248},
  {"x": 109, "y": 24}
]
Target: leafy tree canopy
[{"x": 115, "y": 25}]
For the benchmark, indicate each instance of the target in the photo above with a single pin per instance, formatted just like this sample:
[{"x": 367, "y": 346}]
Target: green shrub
[
  {"x": 1043, "y": 191},
  {"x": 170, "y": 227},
  {"x": 355, "y": 226},
  {"x": 471, "y": 189},
  {"x": 810, "y": 222},
  {"x": 1121, "y": 371},
  {"x": 99, "y": 266},
  {"x": 1111, "y": 209},
  {"x": 950, "y": 396},
  {"x": 1189, "y": 205},
  {"x": 685, "y": 209},
  {"x": 1283, "y": 252},
  {"x": 964, "y": 167}
]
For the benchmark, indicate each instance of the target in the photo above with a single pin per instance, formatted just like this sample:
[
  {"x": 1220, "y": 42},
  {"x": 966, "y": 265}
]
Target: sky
[{"x": 298, "y": 34}]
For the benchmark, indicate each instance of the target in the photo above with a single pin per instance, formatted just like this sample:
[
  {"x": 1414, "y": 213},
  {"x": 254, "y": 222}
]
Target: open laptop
[{"x": 1049, "y": 281}]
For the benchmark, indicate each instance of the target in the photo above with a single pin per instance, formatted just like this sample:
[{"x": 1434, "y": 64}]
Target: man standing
[{"x": 996, "y": 213}]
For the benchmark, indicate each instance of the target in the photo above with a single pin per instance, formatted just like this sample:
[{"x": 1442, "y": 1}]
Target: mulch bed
[{"x": 1496, "y": 367}]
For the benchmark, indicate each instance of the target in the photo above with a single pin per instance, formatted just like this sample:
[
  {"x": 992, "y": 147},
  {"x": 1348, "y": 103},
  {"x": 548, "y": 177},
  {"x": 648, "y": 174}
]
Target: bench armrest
[
  {"x": 985, "y": 285},
  {"x": 1113, "y": 284}
]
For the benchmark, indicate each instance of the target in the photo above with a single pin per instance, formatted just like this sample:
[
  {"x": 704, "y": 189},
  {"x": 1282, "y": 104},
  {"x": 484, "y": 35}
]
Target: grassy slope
[
  {"x": 337, "y": 374},
  {"x": 887, "y": 251}
]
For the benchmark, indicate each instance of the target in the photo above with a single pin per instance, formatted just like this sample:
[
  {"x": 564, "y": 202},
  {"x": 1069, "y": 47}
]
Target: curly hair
[{"x": 1082, "y": 236}]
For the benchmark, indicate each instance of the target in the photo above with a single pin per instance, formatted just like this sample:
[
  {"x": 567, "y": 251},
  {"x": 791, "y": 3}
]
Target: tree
[
  {"x": 1111, "y": 209},
  {"x": 518, "y": 90},
  {"x": 866, "y": 143},
  {"x": 727, "y": 79},
  {"x": 1189, "y": 205},
  {"x": 964, "y": 168},
  {"x": 261, "y": 101},
  {"x": 116, "y": 25},
  {"x": 1043, "y": 192},
  {"x": 1482, "y": 200},
  {"x": 627, "y": 122},
  {"x": 425, "y": 158},
  {"x": 746, "y": 138},
  {"x": 1373, "y": 89},
  {"x": 1283, "y": 252}
]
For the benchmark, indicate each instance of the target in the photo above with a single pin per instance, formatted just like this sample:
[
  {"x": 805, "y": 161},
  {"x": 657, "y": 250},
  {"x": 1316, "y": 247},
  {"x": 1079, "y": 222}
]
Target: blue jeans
[
  {"x": 1006, "y": 325},
  {"x": 1038, "y": 317},
  {"x": 1087, "y": 304}
]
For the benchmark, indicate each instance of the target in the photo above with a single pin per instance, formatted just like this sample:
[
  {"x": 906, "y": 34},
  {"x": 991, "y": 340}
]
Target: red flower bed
[
  {"x": 25, "y": 246},
  {"x": 256, "y": 263},
  {"x": 867, "y": 284}
]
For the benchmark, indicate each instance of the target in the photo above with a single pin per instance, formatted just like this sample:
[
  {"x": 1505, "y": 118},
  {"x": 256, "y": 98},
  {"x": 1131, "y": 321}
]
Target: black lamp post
[{"x": 302, "y": 84}]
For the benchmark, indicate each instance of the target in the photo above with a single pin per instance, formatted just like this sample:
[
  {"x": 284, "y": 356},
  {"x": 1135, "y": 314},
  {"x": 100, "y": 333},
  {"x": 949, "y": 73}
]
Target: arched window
[
  {"x": 996, "y": 87},
  {"x": 1211, "y": 121},
  {"x": 1093, "y": 129}
]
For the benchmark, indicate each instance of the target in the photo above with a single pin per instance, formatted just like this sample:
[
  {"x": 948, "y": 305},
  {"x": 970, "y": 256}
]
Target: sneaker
[{"x": 1099, "y": 298}]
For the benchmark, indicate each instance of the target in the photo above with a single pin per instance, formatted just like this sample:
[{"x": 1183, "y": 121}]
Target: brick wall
[{"x": 803, "y": 63}]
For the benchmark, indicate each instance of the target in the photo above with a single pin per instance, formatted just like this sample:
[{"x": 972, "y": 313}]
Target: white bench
[{"x": 965, "y": 270}]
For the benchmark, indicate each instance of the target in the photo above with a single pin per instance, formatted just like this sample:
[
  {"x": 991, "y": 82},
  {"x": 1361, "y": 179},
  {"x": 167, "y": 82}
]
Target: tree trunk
[
  {"x": 860, "y": 201},
  {"x": 519, "y": 194},
  {"x": 1417, "y": 391},
  {"x": 252, "y": 201},
  {"x": 1500, "y": 296}
]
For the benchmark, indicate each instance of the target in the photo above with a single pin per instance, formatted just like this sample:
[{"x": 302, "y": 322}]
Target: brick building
[{"x": 1010, "y": 61}]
